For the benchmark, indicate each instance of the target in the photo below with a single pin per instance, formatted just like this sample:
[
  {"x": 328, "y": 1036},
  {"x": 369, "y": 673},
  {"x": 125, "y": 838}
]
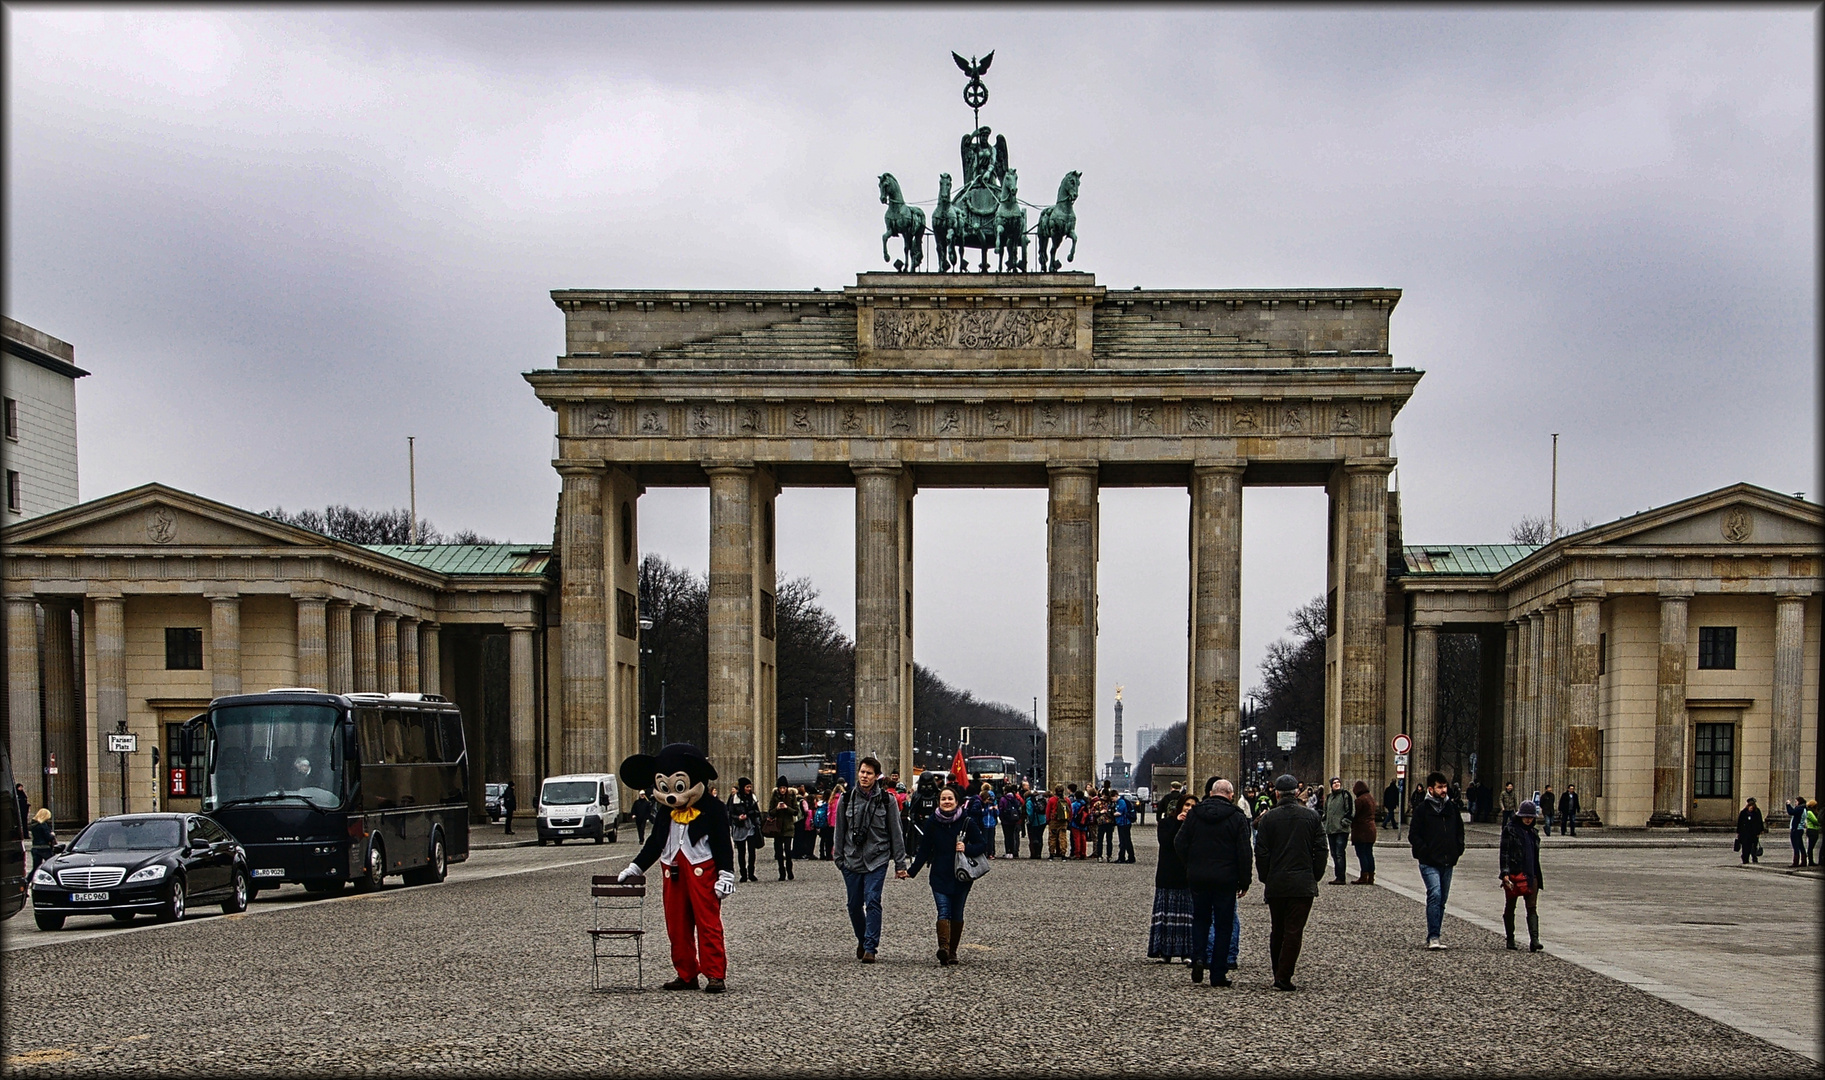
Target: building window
[
  {"x": 1603, "y": 654},
  {"x": 12, "y": 419},
  {"x": 1713, "y": 761},
  {"x": 1717, "y": 648},
  {"x": 1596, "y": 791},
  {"x": 14, "y": 497},
  {"x": 183, "y": 648},
  {"x": 767, "y": 629},
  {"x": 627, "y": 614}
]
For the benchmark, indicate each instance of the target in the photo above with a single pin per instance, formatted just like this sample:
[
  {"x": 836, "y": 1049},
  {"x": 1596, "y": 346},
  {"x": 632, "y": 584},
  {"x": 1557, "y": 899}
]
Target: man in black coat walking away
[
  {"x": 1749, "y": 830},
  {"x": 1289, "y": 856},
  {"x": 1213, "y": 844},
  {"x": 1568, "y": 811},
  {"x": 508, "y": 805},
  {"x": 1436, "y": 834}
]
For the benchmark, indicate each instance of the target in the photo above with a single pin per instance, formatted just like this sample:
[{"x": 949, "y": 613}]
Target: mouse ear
[{"x": 638, "y": 772}]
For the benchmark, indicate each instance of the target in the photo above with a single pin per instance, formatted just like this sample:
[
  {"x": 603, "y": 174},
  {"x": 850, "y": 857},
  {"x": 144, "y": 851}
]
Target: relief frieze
[{"x": 994, "y": 328}]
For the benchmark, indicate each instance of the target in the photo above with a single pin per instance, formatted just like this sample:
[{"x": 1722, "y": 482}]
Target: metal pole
[
  {"x": 1554, "y": 534},
  {"x": 412, "y": 486}
]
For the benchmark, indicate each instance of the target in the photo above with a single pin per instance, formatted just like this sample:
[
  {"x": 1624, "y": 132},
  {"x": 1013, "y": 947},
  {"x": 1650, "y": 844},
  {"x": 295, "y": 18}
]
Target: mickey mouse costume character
[{"x": 695, "y": 854}]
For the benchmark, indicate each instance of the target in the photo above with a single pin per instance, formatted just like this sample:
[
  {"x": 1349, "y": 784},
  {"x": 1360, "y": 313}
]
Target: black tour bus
[{"x": 323, "y": 789}]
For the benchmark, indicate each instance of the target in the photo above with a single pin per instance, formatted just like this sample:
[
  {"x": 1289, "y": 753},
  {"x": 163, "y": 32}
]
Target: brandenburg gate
[{"x": 907, "y": 381}]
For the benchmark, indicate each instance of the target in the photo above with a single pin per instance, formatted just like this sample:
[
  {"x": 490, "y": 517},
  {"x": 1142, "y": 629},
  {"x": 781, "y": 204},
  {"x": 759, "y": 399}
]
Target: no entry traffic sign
[{"x": 1403, "y": 743}]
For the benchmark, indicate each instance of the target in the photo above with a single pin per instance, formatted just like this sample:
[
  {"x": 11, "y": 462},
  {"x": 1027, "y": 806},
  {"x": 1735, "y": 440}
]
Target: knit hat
[
  {"x": 1528, "y": 809},
  {"x": 1286, "y": 783}
]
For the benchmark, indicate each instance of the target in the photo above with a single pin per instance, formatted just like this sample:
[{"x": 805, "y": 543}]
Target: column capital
[
  {"x": 1219, "y": 465},
  {"x": 1368, "y": 464},
  {"x": 521, "y": 628},
  {"x": 573, "y": 468},
  {"x": 222, "y": 597},
  {"x": 728, "y": 468},
  {"x": 430, "y": 624},
  {"x": 1074, "y": 468},
  {"x": 1793, "y": 596},
  {"x": 1431, "y": 624},
  {"x": 1587, "y": 590},
  {"x": 1675, "y": 592},
  {"x": 21, "y": 598},
  {"x": 876, "y": 468}
]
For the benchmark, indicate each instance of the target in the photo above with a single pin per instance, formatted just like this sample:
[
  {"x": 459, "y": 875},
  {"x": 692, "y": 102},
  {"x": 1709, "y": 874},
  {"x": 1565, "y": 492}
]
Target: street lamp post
[{"x": 646, "y": 654}]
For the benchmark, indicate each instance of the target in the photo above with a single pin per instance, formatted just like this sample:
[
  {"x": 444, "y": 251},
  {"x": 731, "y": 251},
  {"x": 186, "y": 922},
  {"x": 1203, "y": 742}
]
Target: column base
[
  {"x": 1662, "y": 819},
  {"x": 1590, "y": 818}
]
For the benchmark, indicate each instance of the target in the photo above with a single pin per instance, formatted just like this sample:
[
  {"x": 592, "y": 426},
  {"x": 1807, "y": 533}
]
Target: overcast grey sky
[{"x": 282, "y": 238}]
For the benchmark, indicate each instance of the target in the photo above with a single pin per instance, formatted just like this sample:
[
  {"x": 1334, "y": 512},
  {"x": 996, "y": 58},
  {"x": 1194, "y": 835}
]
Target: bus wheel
[
  {"x": 439, "y": 867},
  {"x": 375, "y": 872}
]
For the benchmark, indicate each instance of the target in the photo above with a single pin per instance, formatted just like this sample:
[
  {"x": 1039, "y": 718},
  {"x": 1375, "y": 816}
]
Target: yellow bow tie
[{"x": 685, "y": 817}]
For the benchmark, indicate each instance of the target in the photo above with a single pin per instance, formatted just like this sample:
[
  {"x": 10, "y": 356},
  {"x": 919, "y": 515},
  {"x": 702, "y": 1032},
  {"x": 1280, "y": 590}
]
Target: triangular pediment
[
  {"x": 1739, "y": 515},
  {"x": 156, "y": 516}
]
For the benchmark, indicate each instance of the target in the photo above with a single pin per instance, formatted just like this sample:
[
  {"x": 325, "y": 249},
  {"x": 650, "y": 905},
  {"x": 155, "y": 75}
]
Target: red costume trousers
[{"x": 693, "y": 920}]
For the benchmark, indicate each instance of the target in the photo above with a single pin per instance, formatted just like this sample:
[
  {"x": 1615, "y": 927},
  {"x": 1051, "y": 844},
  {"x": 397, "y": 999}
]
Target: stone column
[
  {"x": 522, "y": 703},
  {"x": 1562, "y": 697},
  {"x": 1362, "y": 720},
  {"x": 880, "y": 620},
  {"x": 732, "y": 623},
  {"x": 62, "y": 718},
  {"x": 340, "y": 645},
  {"x": 361, "y": 637},
  {"x": 24, "y": 724},
  {"x": 386, "y": 651},
  {"x": 1526, "y": 696},
  {"x": 430, "y": 658},
  {"x": 313, "y": 642},
  {"x": 1784, "y": 701},
  {"x": 1581, "y": 701},
  {"x": 1071, "y": 541},
  {"x": 1511, "y": 658},
  {"x": 584, "y": 641},
  {"x": 621, "y": 608},
  {"x": 1670, "y": 714},
  {"x": 110, "y": 699},
  {"x": 224, "y": 645},
  {"x": 408, "y": 655},
  {"x": 1550, "y": 767},
  {"x": 1213, "y": 739},
  {"x": 1424, "y": 715}
]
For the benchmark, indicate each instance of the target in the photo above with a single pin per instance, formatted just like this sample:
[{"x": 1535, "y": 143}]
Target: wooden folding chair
[{"x": 616, "y": 904}]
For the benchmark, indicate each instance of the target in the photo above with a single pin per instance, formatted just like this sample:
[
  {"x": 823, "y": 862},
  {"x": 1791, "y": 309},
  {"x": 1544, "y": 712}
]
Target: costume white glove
[
  {"x": 632, "y": 872},
  {"x": 725, "y": 884}
]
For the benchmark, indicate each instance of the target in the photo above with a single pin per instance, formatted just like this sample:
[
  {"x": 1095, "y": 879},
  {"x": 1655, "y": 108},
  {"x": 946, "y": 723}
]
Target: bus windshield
[
  {"x": 993, "y": 766},
  {"x": 275, "y": 753}
]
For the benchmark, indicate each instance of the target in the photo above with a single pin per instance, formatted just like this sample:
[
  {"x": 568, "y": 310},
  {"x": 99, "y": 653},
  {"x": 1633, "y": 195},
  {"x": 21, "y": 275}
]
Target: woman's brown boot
[
  {"x": 955, "y": 939},
  {"x": 944, "y": 941}
]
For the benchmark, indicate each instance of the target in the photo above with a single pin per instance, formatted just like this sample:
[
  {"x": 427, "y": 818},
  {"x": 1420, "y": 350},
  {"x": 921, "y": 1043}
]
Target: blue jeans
[
  {"x": 1338, "y": 840},
  {"x": 950, "y": 905},
  {"x": 1365, "y": 856},
  {"x": 865, "y": 905},
  {"x": 1235, "y": 936},
  {"x": 1209, "y": 910},
  {"x": 1438, "y": 890}
]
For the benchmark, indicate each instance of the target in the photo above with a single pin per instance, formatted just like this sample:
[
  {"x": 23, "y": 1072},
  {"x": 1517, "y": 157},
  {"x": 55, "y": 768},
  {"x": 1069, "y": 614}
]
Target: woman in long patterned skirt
[{"x": 1170, "y": 936}]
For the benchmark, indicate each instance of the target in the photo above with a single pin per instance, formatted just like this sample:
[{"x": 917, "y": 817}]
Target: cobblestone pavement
[{"x": 489, "y": 974}]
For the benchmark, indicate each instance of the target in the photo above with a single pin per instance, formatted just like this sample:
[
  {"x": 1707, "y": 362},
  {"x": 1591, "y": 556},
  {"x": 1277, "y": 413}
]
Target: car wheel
[
  {"x": 121, "y": 916},
  {"x": 173, "y": 908},
  {"x": 237, "y": 900},
  {"x": 47, "y": 920},
  {"x": 614, "y": 836},
  {"x": 374, "y": 874},
  {"x": 599, "y": 835}
]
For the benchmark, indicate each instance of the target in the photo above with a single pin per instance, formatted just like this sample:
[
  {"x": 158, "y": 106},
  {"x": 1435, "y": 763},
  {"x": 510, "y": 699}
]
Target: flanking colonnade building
[{"x": 1604, "y": 659}]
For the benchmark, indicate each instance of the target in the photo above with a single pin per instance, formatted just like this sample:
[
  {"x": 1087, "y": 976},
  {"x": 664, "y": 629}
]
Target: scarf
[
  {"x": 951, "y": 819},
  {"x": 685, "y": 817}
]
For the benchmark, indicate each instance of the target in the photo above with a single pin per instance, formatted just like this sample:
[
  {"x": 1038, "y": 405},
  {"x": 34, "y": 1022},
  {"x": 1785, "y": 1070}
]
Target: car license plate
[
  {"x": 87, "y": 897},
  {"x": 565, "y": 832},
  {"x": 269, "y": 871}
]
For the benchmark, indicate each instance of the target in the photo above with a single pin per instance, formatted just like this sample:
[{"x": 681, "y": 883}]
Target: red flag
[{"x": 960, "y": 775}]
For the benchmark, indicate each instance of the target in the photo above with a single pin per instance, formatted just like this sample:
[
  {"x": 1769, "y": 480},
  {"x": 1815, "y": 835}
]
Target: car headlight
[
  {"x": 43, "y": 877},
  {"x": 155, "y": 872}
]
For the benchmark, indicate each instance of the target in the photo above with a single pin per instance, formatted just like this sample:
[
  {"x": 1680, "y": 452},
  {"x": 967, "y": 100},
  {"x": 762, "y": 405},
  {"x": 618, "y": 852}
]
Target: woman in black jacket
[
  {"x": 950, "y": 830},
  {"x": 744, "y": 826},
  {"x": 1169, "y": 937},
  {"x": 1521, "y": 877},
  {"x": 1749, "y": 830},
  {"x": 44, "y": 838}
]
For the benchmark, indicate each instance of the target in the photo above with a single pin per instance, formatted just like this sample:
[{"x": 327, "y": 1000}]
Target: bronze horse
[
  {"x": 903, "y": 221},
  {"x": 1057, "y": 222}
]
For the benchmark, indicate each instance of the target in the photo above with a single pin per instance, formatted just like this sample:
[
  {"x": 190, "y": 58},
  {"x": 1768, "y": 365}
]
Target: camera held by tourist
[{"x": 1521, "y": 877}]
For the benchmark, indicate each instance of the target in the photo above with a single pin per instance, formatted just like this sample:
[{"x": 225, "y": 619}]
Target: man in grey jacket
[
  {"x": 867, "y": 835},
  {"x": 1289, "y": 858},
  {"x": 1339, "y": 808}
]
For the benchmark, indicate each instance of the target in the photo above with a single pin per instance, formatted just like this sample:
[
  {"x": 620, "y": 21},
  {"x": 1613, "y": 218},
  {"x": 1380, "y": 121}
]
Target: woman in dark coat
[
  {"x": 744, "y": 826},
  {"x": 950, "y": 829},
  {"x": 1521, "y": 876},
  {"x": 1362, "y": 832},
  {"x": 784, "y": 809},
  {"x": 44, "y": 838},
  {"x": 1749, "y": 830},
  {"x": 1170, "y": 936}
]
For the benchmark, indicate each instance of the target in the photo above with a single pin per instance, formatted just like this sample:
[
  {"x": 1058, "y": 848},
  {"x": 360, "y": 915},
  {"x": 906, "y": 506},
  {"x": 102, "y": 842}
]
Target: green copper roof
[
  {"x": 1464, "y": 558},
  {"x": 488, "y": 559}
]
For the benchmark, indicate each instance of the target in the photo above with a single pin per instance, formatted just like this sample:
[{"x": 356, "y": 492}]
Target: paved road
[{"x": 488, "y": 974}]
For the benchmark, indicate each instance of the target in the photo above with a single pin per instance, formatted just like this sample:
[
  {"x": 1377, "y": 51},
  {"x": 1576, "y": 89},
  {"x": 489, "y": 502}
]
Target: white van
[{"x": 577, "y": 806}]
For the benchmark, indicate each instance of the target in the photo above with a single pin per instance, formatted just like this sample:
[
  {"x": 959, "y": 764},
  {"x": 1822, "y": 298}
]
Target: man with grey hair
[
  {"x": 1289, "y": 856},
  {"x": 1213, "y": 846}
]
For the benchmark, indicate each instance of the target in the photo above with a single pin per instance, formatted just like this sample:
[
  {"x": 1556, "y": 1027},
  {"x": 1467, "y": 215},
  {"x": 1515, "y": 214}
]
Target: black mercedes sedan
[{"x": 133, "y": 864}]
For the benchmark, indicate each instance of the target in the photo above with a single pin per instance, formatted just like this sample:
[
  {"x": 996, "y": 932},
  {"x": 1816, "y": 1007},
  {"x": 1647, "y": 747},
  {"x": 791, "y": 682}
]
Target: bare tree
[
  {"x": 366, "y": 526},
  {"x": 1539, "y": 530}
]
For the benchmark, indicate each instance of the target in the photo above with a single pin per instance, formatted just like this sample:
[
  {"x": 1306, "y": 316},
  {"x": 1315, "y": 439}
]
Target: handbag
[
  {"x": 769, "y": 825},
  {"x": 1516, "y": 885},
  {"x": 970, "y": 867}
]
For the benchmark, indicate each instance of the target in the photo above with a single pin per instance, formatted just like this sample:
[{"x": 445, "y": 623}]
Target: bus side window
[
  {"x": 373, "y": 751},
  {"x": 452, "y": 724},
  {"x": 412, "y": 727},
  {"x": 392, "y": 736}
]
